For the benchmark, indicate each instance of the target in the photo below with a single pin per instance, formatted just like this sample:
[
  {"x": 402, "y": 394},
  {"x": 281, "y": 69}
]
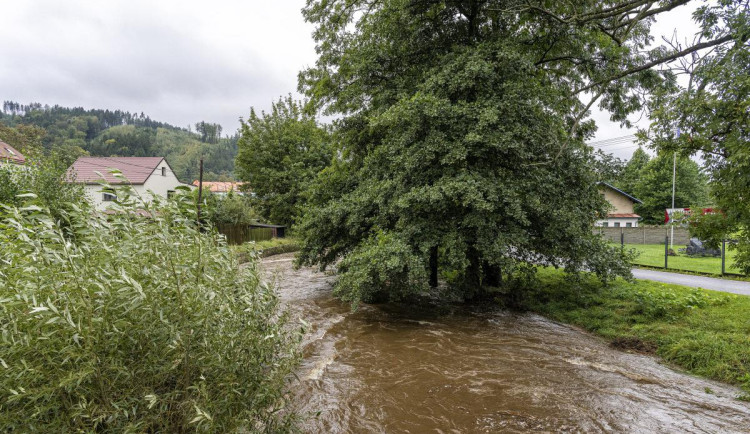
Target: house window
[
  {"x": 108, "y": 197},
  {"x": 163, "y": 171},
  {"x": 170, "y": 194},
  {"x": 628, "y": 225},
  {"x": 617, "y": 224}
]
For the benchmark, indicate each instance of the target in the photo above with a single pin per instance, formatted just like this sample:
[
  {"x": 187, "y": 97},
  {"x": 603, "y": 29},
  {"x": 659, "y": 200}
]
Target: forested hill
[{"x": 73, "y": 132}]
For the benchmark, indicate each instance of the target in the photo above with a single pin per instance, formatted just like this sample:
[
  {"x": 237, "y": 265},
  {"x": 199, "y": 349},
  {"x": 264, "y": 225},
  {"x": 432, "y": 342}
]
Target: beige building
[{"x": 621, "y": 213}]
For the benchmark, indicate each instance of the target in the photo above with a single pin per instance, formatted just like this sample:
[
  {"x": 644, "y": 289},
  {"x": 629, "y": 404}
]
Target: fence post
[
  {"x": 666, "y": 252},
  {"x": 622, "y": 238},
  {"x": 723, "y": 256}
]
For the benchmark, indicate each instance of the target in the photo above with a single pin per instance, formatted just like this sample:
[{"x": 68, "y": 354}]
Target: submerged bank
[
  {"x": 453, "y": 368},
  {"x": 704, "y": 332}
]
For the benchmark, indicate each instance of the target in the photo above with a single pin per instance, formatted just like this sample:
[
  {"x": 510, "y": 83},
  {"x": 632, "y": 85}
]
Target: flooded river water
[{"x": 455, "y": 370}]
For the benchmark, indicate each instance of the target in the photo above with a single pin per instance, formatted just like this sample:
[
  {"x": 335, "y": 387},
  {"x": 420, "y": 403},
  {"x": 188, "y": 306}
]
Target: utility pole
[
  {"x": 200, "y": 190},
  {"x": 674, "y": 179}
]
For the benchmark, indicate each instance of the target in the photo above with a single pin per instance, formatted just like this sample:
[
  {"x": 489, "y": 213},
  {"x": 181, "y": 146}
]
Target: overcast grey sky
[{"x": 177, "y": 61}]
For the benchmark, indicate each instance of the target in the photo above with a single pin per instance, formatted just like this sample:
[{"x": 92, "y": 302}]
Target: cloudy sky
[{"x": 177, "y": 61}]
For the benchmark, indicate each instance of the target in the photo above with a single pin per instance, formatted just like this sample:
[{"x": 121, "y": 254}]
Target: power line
[
  {"x": 624, "y": 147},
  {"x": 613, "y": 141}
]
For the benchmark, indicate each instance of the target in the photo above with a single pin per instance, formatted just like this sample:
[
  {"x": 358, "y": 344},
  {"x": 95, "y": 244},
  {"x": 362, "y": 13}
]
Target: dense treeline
[{"x": 73, "y": 132}]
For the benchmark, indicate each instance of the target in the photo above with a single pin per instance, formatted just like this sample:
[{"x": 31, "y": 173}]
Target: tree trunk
[
  {"x": 493, "y": 276},
  {"x": 434, "y": 266}
]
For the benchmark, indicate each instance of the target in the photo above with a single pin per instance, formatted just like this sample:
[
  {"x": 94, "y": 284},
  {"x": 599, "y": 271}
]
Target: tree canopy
[
  {"x": 710, "y": 116},
  {"x": 280, "y": 153},
  {"x": 654, "y": 187},
  {"x": 460, "y": 133}
]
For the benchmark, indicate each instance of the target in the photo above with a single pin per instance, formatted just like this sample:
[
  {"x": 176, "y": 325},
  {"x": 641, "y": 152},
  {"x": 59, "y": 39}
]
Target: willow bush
[{"x": 133, "y": 323}]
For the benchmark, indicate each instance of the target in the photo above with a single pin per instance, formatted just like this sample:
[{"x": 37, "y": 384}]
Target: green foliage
[
  {"x": 670, "y": 304},
  {"x": 713, "y": 115},
  {"x": 132, "y": 324},
  {"x": 210, "y": 133},
  {"x": 609, "y": 168},
  {"x": 383, "y": 268},
  {"x": 631, "y": 173},
  {"x": 72, "y": 132},
  {"x": 654, "y": 187},
  {"x": 711, "y": 228},
  {"x": 704, "y": 332},
  {"x": 460, "y": 129},
  {"x": 26, "y": 138},
  {"x": 232, "y": 208},
  {"x": 280, "y": 153},
  {"x": 43, "y": 177}
]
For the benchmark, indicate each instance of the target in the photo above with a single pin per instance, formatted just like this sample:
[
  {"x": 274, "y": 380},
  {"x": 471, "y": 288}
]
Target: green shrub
[
  {"x": 131, "y": 324},
  {"x": 43, "y": 176}
]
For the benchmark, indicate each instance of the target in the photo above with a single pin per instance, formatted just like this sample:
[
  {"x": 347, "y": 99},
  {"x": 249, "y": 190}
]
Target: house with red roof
[
  {"x": 621, "y": 212},
  {"x": 9, "y": 154},
  {"x": 148, "y": 177}
]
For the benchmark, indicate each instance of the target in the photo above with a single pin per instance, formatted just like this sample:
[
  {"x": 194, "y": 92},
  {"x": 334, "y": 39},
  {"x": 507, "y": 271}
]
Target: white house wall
[
  {"x": 610, "y": 223},
  {"x": 156, "y": 183}
]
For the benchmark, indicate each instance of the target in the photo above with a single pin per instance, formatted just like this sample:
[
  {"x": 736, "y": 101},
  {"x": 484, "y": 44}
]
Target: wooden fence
[{"x": 240, "y": 234}]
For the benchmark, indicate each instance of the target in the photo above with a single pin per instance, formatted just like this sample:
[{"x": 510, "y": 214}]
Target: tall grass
[{"x": 124, "y": 323}]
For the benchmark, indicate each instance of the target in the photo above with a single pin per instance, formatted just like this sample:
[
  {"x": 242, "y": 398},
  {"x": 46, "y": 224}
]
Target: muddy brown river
[{"x": 385, "y": 369}]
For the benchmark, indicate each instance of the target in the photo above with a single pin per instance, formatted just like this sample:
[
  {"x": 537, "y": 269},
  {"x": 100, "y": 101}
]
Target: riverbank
[
  {"x": 263, "y": 249},
  {"x": 704, "y": 332},
  {"x": 402, "y": 367}
]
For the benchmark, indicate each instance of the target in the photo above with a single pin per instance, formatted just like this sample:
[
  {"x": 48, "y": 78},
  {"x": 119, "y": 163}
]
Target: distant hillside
[{"x": 72, "y": 132}]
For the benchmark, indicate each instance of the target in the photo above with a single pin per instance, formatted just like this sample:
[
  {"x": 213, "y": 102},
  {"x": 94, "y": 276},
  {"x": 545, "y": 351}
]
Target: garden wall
[{"x": 644, "y": 234}]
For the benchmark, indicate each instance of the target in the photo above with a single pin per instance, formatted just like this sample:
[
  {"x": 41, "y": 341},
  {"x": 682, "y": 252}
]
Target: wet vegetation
[
  {"x": 704, "y": 332},
  {"x": 126, "y": 323}
]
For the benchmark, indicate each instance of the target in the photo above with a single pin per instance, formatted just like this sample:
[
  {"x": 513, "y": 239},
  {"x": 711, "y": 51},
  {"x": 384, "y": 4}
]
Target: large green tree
[
  {"x": 631, "y": 173},
  {"x": 279, "y": 154},
  {"x": 654, "y": 187},
  {"x": 712, "y": 114},
  {"x": 461, "y": 135}
]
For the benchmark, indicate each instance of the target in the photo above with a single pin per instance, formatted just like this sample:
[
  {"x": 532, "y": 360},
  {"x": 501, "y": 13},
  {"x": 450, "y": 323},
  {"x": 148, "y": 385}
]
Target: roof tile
[
  {"x": 623, "y": 216},
  {"x": 11, "y": 154},
  {"x": 220, "y": 186},
  {"x": 134, "y": 169}
]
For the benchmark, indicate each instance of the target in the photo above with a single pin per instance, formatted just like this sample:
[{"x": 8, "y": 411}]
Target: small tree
[{"x": 280, "y": 153}]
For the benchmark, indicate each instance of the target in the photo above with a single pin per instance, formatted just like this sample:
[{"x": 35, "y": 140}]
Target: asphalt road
[{"x": 712, "y": 283}]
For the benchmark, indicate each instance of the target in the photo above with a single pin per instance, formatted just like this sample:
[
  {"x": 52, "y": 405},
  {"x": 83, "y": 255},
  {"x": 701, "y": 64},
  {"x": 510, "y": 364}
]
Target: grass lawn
[
  {"x": 704, "y": 332},
  {"x": 653, "y": 255}
]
